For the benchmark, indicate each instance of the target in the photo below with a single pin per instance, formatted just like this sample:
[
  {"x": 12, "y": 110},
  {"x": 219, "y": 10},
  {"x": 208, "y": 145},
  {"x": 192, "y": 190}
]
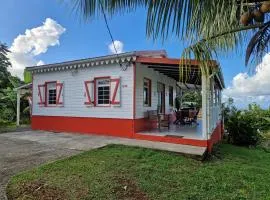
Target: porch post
[
  {"x": 18, "y": 107},
  {"x": 216, "y": 106},
  {"x": 219, "y": 105},
  {"x": 211, "y": 107},
  {"x": 205, "y": 91}
]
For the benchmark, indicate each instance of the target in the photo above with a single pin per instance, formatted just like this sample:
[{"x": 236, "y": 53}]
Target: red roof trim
[{"x": 170, "y": 61}]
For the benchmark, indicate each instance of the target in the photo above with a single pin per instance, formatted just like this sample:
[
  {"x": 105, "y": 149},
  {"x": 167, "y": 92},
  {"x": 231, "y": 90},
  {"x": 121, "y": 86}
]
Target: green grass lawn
[{"x": 120, "y": 172}]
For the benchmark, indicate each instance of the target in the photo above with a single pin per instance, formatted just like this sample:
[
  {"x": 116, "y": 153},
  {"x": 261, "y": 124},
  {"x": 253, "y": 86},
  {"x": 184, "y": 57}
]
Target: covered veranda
[{"x": 189, "y": 77}]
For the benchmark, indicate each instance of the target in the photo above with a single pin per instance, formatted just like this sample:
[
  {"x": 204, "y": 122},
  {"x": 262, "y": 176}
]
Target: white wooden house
[{"x": 110, "y": 95}]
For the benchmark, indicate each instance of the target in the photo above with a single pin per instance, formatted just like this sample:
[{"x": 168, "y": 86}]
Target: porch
[
  {"x": 189, "y": 77},
  {"x": 193, "y": 131}
]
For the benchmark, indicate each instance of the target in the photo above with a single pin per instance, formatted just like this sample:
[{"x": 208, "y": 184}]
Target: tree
[
  {"x": 209, "y": 26},
  {"x": 8, "y": 96},
  {"x": 4, "y": 65},
  {"x": 193, "y": 97}
]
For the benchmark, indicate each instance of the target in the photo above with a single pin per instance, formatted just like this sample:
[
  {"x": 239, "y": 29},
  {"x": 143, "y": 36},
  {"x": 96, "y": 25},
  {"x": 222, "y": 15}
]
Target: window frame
[
  {"x": 171, "y": 100},
  {"x": 149, "y": 89},
  {"x": 96, "y": 86},
  {"x": 47, "y": 104}
]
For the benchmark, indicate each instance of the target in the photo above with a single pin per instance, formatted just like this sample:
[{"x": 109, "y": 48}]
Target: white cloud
[
  {"x": 32, "y": 43},
  {"x": 118, "y": 47},
  {"x": 247, "y": 88}
]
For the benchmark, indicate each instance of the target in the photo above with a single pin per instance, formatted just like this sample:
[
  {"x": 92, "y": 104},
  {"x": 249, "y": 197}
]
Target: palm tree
[{"x": 209, "y": 26}]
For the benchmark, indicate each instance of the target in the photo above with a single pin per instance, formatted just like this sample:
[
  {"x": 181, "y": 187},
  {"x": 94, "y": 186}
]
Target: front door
[{"x": 161, "y": 97}]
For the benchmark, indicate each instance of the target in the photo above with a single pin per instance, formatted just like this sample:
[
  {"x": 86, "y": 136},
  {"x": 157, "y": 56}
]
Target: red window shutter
[
  {"x": 89, "y": 93},
  {"x": 41, "y": 94},
  {"x": 59, "y": 93},
  {"x": 115, "y": 91}
]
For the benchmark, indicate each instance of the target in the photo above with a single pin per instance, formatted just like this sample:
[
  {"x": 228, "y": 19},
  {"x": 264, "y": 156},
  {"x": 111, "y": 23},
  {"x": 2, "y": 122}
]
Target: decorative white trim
[{"x": 86, "y": 64}]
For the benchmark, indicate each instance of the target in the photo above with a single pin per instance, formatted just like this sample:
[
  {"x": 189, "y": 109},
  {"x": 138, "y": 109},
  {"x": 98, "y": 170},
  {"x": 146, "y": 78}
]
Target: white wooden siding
[
  {"x": 73, "y": 93},
  {"x": 145, "y": 72}
]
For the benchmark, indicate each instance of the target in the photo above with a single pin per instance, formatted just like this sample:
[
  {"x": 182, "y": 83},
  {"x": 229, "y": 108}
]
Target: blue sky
[{"x": 81, "y": 39}]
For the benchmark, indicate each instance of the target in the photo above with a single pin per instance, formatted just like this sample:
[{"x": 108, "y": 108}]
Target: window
[
  {"x": 103, "y": 91},
  {"x": 52, "y": 96},
  {"x": 171, "y": 95},
  {"x": 51, "y": 88},
  {"x": 147, "y": 92}
]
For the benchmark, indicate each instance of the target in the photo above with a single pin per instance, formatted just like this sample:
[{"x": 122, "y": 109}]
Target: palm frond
[
  {"x": 92, "y": 8},
  {"x": 259, "y": 43},
  {"x": 213, "y": 22}
]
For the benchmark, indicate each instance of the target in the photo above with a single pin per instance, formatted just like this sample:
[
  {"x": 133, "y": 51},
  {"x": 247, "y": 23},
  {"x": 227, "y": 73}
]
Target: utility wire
[
  {"x": 123, "y": 67},
  {"x": 107, "y": 25}
]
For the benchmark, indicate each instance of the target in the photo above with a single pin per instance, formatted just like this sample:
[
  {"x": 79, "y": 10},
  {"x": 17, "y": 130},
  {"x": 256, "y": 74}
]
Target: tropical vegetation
[
  {"x": 8, "y": 99},
  {"x": 249, "y": 126}
]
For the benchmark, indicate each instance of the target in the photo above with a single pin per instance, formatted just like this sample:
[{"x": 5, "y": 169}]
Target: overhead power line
[{"x": 107, "y": 25}]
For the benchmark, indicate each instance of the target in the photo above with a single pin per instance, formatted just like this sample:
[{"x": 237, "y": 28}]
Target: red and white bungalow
[{"x": 111, "y": 95}]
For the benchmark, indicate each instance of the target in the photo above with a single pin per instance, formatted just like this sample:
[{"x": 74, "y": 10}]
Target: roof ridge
[{"x": 105, "y": 57}]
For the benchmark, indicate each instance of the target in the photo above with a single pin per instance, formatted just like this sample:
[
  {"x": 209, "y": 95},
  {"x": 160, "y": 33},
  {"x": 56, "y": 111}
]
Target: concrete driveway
[{"x": 24, "y": 150}]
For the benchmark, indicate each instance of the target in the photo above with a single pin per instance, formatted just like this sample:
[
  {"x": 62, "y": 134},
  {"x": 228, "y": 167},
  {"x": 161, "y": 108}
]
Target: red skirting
[
  {"x": 104, "y": 126},
  {"x": 168, "y": 139},
  {"x": 127, "y": 128},
  {"x": 144, "y": 124},
  {"x": 215, "y": 137}
]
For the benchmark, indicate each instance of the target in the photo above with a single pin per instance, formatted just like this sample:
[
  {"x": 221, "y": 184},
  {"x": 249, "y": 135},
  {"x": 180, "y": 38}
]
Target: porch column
[
  {"x": 18, "y": 107},
  {"x": 205, "y": 105},
  {"x": 219, "y": 105},
  {"x": 210, "y": 97},
  {"x": 216, "y": 106}
]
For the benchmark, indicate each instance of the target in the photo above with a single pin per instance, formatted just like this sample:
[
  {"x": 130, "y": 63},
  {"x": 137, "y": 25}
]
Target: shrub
[
  {"x": 246, "y": 127},
  {"x": 4, "y": 123},
  {"x": 241, "y": 129}
]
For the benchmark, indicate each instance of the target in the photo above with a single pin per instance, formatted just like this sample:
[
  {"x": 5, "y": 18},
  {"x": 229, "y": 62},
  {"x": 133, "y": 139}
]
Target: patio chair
[
  {"x": 179, "y": 118},
  {"x": 191, "y": 117},
  {"x": 163, "y": 120}
]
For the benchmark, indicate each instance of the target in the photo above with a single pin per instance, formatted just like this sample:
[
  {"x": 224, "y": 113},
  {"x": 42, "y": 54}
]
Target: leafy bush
[
  {"x": 246, "y": 127},
  {"x": 4, "y": 123},
  {"x": 241, "y": 130}
]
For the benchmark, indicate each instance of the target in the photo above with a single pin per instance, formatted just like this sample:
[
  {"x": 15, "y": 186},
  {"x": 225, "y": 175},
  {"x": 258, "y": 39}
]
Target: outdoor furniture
[
  {"x": 180, "y": 118},
  {"x": 186, "y": 117},
  {"x": 163, "y": 120},
  {"x": 195, "y": 118}
]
